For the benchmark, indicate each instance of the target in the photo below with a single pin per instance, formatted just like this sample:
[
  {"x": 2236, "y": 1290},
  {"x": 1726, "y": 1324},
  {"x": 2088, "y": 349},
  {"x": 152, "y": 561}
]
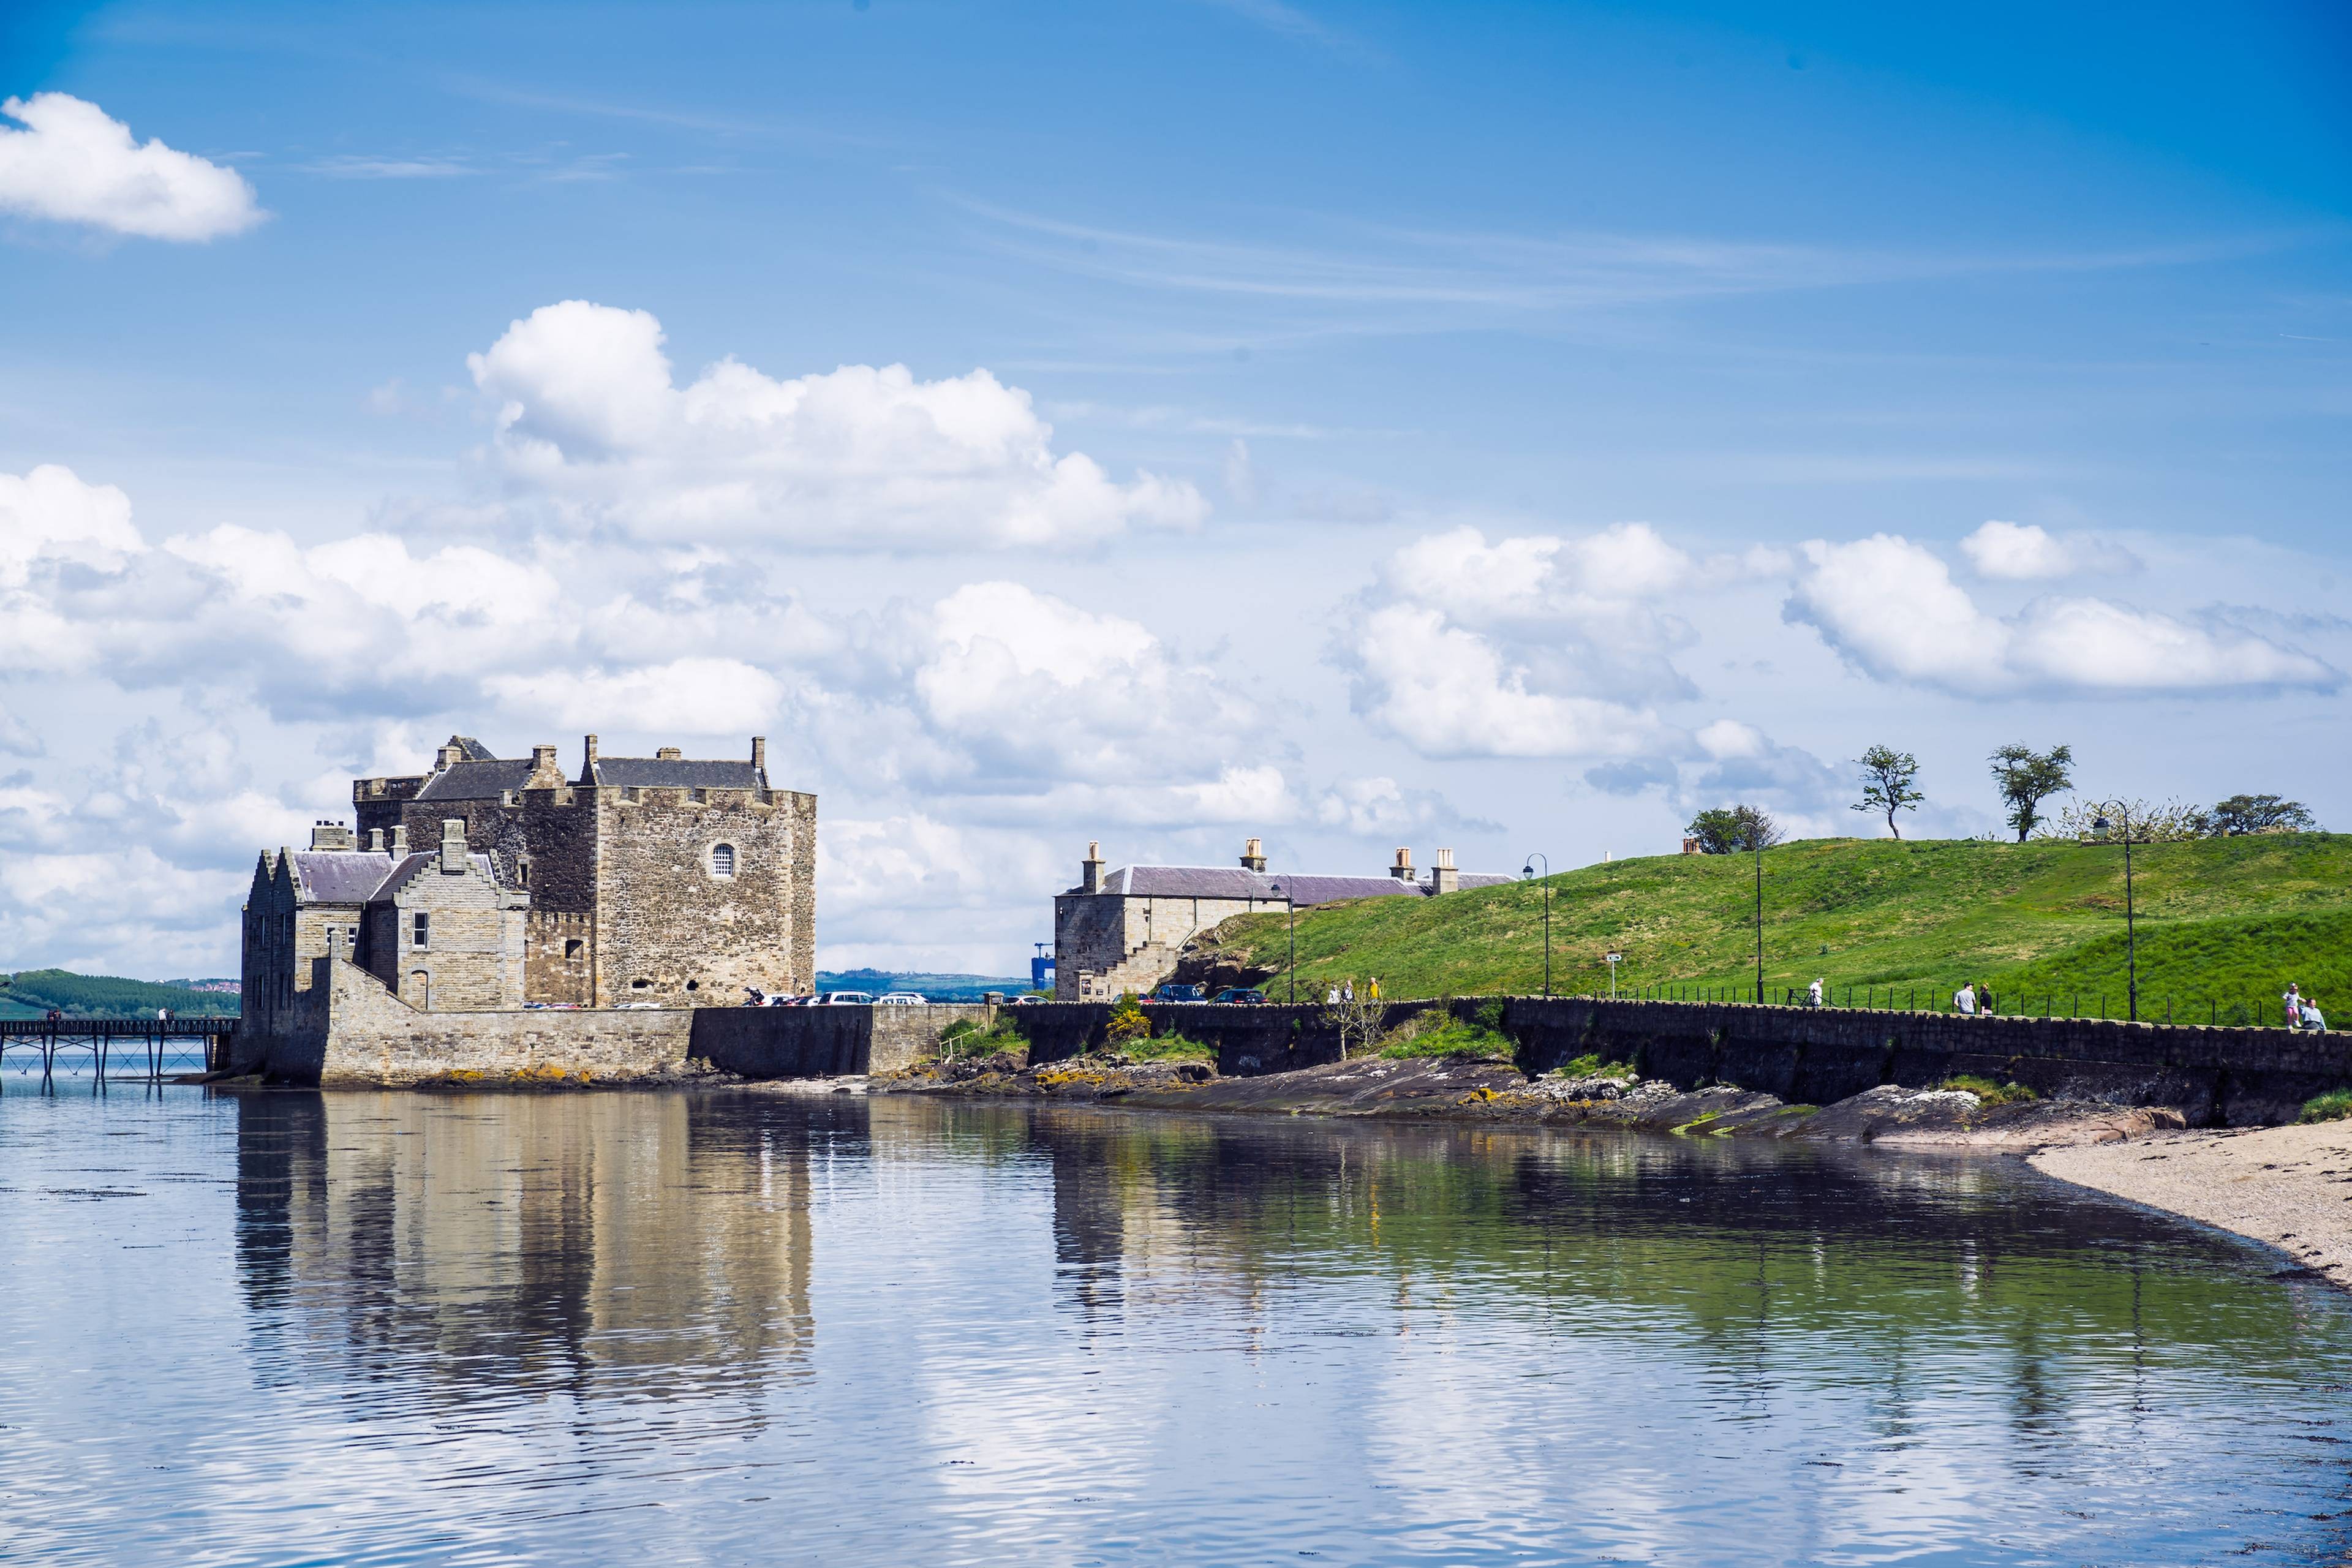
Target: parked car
[
  {"x": 847, "y": 999},
  {"x": 1180, "y": 993},
  {"x": 1028, "y": 1001},
  {"x": 1239, "y": 993},
  {"x": 901, "y": 999}
]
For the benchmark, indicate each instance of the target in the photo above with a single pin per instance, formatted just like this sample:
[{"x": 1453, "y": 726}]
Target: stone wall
[
  {"x": 472, "y": 956},
  {"x": 670, "y": 929},
  {"x": 2213, "y": 1077},
  {"x": 825, "y": 1042}
]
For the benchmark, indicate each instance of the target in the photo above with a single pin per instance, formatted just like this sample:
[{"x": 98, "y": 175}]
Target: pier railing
[{"x": 158, "y": 1047}]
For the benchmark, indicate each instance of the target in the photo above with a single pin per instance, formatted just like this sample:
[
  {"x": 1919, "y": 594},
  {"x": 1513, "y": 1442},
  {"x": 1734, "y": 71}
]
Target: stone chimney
[
  {"x": 760, "y": 757},
  {"x": 1402, "y": 869},
  {"x": 1253, "y": 855},
  {"x": 400, "y": 841},
  {"x": 331, "y": 836},
  {"x": 1090, "y": 868},
  {"x": 668, "y": 754},
  {"x": 588, "y": 768},
  {"x": 452, "y": 753},
  {"x": 544, "y": 774},
  {"x": 375, "y": 840},
  {"x": 453, "y": 846},
  {"x": 1442, "y": 876},
  {"x": 1690, "y": 846}
]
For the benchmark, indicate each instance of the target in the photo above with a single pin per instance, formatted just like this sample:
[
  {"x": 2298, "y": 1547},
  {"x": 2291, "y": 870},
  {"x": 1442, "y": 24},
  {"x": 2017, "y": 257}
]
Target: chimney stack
[
  {"x": 1090, "y": 868},
  {"x": 544, "y": 774},
  {"x": 588, "y": 768},
  {"x": 760, "y": 757},
  {"x": 668, "y": 754},
  {"x": 451, "y": 755},
  {"x": 1402, "y": 869},
  {"x": 453, "y": 846},
  {"x": 1253, "y": 855},
  {"x": 331, "y": 835},
  {"x": 375, "y": 840},
  {"x": 1690, "y": 846},
  {"x": 400, "y": 841},
  {"x": 1444, "y": 878}
]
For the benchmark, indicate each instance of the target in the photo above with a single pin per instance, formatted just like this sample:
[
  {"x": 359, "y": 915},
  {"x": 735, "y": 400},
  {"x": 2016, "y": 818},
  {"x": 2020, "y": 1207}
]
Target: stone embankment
[{"x": 1498, "y": 1092}]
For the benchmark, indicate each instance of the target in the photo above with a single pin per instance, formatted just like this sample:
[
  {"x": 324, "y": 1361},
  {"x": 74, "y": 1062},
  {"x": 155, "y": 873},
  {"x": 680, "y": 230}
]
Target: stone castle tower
[{"x": 662, "y": 879}]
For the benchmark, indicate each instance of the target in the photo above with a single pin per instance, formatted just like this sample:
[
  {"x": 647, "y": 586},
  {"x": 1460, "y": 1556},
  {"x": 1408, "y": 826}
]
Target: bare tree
[
  {"x": 1357, "y": 1021},
  {"x": 1887, "y": 775}
]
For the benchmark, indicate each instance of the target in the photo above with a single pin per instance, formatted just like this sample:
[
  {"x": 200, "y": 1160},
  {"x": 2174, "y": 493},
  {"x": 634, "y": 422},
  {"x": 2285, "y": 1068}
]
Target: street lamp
[
  {"x": 1545, "y": 885},
  {"x": 2131, "y": 938},
  {"x": 1293, "y": 970},
  {"x": 1756, "y": 842},
  {"x": 1614, "y": 960}
]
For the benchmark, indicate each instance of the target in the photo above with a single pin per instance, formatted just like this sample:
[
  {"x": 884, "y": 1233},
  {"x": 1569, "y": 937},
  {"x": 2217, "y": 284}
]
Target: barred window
[{"x": 722, "y": 859}]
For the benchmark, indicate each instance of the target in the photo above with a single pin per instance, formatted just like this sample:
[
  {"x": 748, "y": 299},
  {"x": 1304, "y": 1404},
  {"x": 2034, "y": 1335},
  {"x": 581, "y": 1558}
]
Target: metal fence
[{"x": 2214, "y": 1012}]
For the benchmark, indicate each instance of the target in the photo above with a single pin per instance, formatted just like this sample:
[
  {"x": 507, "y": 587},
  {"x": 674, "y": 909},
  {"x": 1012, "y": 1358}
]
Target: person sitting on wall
[
  {"x": 2311, "y": 1017},
  {"x": 1984, "y": 999},
  {"x": 1813, "y": 992}
]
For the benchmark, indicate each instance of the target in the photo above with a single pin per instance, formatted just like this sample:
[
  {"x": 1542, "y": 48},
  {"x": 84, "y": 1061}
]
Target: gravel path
[{"x": 2288, "y": 1186}]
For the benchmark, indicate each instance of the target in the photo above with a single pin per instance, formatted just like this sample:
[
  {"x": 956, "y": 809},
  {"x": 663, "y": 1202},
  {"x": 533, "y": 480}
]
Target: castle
[
  {"x": 1122, "y": 931},
  {"x": 492, "y": 882}
]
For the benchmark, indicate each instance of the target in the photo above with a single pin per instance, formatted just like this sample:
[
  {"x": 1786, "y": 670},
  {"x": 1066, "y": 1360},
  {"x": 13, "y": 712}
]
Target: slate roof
[
  {"x": 1235, "y": 882},
  {"x": 339, "y": 876},
  {"x": 475, "y": 751},
  {"x": 408, "y": 870},
  {"x": 675, "y": 772},
  {"x": 485, "y": 779}
]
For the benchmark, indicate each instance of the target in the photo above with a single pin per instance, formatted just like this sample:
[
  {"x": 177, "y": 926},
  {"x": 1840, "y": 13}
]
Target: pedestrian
[
  {"x": 1333, "y": 999},
  {"x": 1347, "y": 991},
  {"x": 1376, "y": 987},
  {"x": 1984, "y": 999},
  {"x": 2294, "y": 1000},
  {"x": 2311, "y": 1017},
  {"x": 1964, "y": 999},
  {"x": 1813, "y": 992}
]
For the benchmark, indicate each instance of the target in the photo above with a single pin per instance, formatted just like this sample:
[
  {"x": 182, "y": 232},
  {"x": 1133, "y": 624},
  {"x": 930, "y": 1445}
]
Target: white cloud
[
  {"x": 856, "y": 457},
  {"x": 51, "y": 514},
  {"x": 1382, "y": 808},
  {"x": 73, "y": 163},
  {"x": 1891, "y": 608},
  {"x": 686, "y": 697},
  {"x": 2023, "y": 553}
]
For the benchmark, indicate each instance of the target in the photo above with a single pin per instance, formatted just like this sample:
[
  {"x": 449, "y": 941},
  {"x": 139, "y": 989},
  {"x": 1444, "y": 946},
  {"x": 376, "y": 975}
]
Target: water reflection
[
  {"x": 583, "y": 1328},
  {"x": 616, "y": 1244}
]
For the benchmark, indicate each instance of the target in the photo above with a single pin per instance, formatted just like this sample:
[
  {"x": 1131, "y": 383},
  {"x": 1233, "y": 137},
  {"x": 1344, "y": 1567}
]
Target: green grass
[
  {"x": 1440, "y": 1034},
  {"x": 1168, "y": 1049},
  {"x": 2223, "y": 923},
  {"x": 1989, "y": 1092},
  {"x": 1590, "y": 1066},
  {"x": 2336, "y": 1105},
  {"x": 966, "y": 1037}
]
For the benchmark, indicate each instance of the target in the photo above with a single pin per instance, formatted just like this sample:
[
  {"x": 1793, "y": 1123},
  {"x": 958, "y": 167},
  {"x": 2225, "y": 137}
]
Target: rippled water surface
[{"x": 736, "y": 1327}]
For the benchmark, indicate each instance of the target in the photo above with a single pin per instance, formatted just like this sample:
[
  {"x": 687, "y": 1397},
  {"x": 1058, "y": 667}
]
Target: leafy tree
[
  {"x": 1734, "y": 830},
  {"x": 2259, "y": 814},
  {"x": 1128, "y": 1021},
  {"x": 2027, "y": 777},
  {"x": 1887, "y": 775}
]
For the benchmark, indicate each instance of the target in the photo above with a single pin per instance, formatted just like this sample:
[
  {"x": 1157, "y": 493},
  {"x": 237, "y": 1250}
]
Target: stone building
[
  {"x": 665, "y": 879},
  {"x": 438, "y": 928},
  {"x": 1122, "y": 931}
]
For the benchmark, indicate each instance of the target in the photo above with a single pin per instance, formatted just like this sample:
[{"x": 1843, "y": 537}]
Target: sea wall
[
  {"x": 825, "y": 1042},
  {"x": 2213, "y": 1077}
]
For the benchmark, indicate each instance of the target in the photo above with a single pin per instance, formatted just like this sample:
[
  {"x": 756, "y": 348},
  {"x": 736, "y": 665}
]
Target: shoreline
[{"x": 2288, "y": 1188}]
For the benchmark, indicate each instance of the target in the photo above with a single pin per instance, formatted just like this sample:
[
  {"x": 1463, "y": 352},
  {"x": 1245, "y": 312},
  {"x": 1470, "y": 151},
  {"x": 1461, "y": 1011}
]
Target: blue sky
[{"x": 1501, "y": 427}]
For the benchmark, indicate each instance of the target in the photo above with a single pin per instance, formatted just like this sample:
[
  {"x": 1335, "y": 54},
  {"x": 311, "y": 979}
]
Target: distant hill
[
  {"x": 938, "y": 987},
  {"x": 2224, "y": 923},
  {"x": 30, "y": 992}
]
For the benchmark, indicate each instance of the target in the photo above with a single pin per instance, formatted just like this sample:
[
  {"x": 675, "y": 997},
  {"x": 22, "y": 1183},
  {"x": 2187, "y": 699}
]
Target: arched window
[
  {"x": 722, "y": 859},
  {"x": 420, "y": 990}
]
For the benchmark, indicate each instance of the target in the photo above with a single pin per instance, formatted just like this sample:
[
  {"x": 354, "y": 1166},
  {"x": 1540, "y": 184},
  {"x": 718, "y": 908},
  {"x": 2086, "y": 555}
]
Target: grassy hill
[
  {"x": 31, "y": 993},
  {"x": 2224, "y": 923}
]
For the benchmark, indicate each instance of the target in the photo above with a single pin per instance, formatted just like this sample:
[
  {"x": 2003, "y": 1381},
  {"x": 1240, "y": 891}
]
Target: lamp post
[
  {"x": 1614, "y": 960},
  {"x": 1545, "y": 888},
  {"x": 1292, "y": 910},
  {"x": 2131, "y": 936},
  {"x": 1756, "y": 842}
]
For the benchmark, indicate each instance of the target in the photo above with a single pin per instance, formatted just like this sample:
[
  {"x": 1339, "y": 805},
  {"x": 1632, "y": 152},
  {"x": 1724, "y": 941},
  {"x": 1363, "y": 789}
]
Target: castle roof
[
  {"x": 474, "y": 749},
  {"x": 675, "y": 772},
  {"x": 1236, "y": 882},
  {"x": 482, "y": 778},
  {"x": 409, "y": 868},
  {"x": 338, "y": 875}
]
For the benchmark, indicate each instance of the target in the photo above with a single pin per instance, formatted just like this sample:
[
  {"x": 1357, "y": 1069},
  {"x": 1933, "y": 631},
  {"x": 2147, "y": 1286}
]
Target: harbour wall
[{"x": 348, "y": 1029}]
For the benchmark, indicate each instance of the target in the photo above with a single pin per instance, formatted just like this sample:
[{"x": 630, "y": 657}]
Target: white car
[
  {"x": 901, "y": 999},
  {"x": 847, "y": 999}
]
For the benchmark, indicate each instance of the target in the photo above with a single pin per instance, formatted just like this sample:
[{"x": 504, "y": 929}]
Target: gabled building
[{"x": 1120, "y": 930}]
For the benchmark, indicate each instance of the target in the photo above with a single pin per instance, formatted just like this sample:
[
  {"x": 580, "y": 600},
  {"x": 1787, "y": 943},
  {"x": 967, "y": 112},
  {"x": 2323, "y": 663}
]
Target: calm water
[{"x": 733, "y": 1328}]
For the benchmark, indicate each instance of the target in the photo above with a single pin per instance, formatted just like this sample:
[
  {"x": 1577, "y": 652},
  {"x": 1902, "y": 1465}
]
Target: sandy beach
[{"x": 2288, "y": 1186}]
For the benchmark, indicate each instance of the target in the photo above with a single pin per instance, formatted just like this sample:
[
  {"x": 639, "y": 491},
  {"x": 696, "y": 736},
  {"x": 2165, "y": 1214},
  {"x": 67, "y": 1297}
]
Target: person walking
[
  {"x": 1347, "y": 991},
  {"x": 1813, "y": 992},
  {"x": 1964, "y": 1000},
  {"x": 2294, "y": 1000},
  {"x": 1376, "y": 988}
]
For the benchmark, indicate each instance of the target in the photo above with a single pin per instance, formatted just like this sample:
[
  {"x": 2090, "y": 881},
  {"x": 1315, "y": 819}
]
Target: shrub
[
  {"x": 1128, "y": 1021},
  {"x": 1442, "y": 1036},
  {"x": 2336, "y": 1105},
  {"x": 1989, "y": 1092},
  {"x": 1171, "y": 1048},
  {"x": 1490, "y": 1016},
  {"x": 1590, "y": 1066}
]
